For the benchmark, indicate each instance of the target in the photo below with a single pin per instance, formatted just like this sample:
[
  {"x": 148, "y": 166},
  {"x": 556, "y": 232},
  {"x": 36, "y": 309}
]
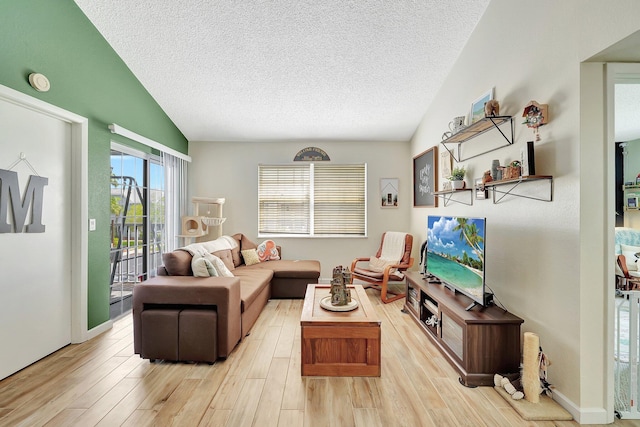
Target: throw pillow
[
  {"x": 250, "y": 256},
  {"x": 268, "y": 251},
  {"x": 202, "y": 267}
]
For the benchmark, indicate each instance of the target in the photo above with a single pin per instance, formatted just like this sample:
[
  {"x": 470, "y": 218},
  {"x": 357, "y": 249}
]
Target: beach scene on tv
[{"x": 455, "y": 252}]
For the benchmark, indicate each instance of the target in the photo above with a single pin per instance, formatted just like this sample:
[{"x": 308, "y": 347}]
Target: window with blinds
[{"x": 312, "y": 199}]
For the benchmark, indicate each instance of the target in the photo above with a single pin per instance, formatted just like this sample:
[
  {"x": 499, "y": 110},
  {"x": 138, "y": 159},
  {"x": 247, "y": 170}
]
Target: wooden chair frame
[
  {"x": 628, "y": 282},
  {"x": 382, "y": 284}
]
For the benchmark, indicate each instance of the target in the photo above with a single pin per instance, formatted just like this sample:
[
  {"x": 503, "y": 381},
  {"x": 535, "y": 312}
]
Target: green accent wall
[{"x": 88, "y": 78}]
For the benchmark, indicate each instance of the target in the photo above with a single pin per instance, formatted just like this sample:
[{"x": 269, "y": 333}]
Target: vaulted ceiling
[{"x": 274, "y": 70}]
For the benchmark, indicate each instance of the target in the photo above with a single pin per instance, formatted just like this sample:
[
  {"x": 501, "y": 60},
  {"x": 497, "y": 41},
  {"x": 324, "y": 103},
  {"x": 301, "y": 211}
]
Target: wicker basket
[{"x": 511, "y": 172}]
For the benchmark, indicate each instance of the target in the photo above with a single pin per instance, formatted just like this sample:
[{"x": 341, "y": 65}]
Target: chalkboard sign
[{"x": 425, "y": 178}]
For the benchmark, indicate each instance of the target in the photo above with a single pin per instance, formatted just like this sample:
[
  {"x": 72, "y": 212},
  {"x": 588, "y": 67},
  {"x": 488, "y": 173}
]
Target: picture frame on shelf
[
  {"x": 481, "y": 190},
  {"x": 389, "y": 192},
  {"x": 632, "y": 202},
  {"x": 446, "y": 163},
  {"x": 425, "y": 178},
  {"x": 477, "y": 106}
]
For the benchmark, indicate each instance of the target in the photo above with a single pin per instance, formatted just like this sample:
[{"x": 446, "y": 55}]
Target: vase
[
  {"x": 494, "y": 169},
  {"x": 457, "y": 184}
]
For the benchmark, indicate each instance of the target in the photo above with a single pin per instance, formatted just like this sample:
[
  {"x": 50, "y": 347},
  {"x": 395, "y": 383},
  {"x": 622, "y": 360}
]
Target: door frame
[{"x": 79, "y": 207}]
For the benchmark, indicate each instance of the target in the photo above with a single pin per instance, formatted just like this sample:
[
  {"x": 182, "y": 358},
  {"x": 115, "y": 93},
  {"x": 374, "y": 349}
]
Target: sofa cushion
[
  {"x": 177, "y": 263},
  {"x": 226, "y": 257},
  {"x": 243, "y": 243},
  {"x": 252, "y": 282},
  {"x": 302, "y": 269}
]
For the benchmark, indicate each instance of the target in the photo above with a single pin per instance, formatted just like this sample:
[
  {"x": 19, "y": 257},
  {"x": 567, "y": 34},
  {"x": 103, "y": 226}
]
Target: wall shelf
[
  {"x": 447, "y": 196},
  {"x": 512, "y": 184},
  {"x": 481, "y": 126}
]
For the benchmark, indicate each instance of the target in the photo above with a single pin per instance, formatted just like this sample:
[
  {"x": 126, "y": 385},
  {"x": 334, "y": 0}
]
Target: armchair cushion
[{"x": 379, "y": 264}]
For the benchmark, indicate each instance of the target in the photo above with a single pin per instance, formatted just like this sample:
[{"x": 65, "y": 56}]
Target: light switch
[{"x": 92, "y": 224}]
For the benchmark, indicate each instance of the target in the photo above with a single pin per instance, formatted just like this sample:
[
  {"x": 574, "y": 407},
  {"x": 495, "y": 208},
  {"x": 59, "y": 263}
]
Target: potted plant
[{"x": 457, "y": 177}]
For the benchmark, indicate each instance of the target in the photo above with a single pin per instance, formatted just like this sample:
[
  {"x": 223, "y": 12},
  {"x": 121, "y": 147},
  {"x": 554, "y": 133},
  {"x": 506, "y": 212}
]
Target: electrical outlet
[{"x": 92, "y": 224}]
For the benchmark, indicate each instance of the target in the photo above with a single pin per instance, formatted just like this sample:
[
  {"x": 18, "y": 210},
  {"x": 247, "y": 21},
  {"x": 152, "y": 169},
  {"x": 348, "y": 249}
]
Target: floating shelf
[
  {"x": 447, "y": 196},
  {"x": 481, "y": 126},
  {"x": 514, "y": 183}
]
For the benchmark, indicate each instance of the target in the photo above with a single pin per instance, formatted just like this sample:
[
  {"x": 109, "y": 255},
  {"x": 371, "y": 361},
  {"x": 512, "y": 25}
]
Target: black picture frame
[
  {"x": 481, "y": 190},
  {"x": 425, "y": 178}
]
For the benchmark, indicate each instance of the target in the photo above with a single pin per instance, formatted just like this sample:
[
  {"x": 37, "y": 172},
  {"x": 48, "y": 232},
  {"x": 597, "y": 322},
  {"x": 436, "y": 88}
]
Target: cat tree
[{"x": 206, "y": 222}]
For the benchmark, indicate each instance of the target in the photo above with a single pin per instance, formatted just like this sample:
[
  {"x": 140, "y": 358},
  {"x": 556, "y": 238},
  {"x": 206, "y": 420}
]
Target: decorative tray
[{"x": 326, "y": 304}]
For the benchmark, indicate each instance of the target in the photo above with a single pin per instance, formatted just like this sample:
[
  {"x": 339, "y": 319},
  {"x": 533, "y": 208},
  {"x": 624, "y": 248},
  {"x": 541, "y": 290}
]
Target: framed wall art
[
  {"x": 425, "y": 178},
  {"x": 477, "y": 107},
  {"x": 445, "y": 167},
  {"x": 388, "y": 192}
]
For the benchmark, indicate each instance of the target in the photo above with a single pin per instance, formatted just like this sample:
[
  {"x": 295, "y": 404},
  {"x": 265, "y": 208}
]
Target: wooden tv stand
[{"x": 477, "y": 343}]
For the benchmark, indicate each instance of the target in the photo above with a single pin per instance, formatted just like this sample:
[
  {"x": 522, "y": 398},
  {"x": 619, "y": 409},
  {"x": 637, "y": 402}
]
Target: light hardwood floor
[{"x": 102, "y": 383}]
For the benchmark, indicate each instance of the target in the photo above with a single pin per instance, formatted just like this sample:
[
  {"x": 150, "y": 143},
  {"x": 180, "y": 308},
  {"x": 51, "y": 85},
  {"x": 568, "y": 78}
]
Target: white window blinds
[{"x": 312, "y": 199}]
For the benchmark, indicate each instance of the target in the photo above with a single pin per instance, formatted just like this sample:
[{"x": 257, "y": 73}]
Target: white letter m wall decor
[{"x": 10, "y": 197}]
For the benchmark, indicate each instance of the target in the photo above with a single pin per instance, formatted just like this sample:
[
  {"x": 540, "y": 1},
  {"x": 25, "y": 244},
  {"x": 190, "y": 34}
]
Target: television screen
[{"x": 455, "y": 253}]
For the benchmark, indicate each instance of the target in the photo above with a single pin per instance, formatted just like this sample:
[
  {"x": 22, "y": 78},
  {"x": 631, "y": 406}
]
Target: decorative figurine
[{"x": 340, "y": 295}]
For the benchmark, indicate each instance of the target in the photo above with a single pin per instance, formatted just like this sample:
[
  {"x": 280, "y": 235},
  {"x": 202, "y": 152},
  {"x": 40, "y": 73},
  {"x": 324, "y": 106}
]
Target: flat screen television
[{"x": 456, "y": 255}]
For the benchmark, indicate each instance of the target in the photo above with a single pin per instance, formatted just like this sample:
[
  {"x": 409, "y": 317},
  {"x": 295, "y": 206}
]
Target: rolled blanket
[{"x": 219, "y": 244}]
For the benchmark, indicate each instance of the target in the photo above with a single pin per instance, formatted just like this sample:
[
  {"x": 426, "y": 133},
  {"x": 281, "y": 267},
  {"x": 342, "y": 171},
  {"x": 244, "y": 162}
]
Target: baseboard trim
[
  {"x": 582, "y": 415},
  {"x": 104, "y": 327}
]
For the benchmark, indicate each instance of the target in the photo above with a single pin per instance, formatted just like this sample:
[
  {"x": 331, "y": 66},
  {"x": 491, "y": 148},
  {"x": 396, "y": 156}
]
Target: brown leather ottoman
[
  {"x": 160, "y": 334},
  {"x": 185, "y": 335},
  {"x": 197, "y": 335}
]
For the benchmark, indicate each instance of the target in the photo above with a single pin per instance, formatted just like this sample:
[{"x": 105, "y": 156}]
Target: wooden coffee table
[{"x": 339, "y": 344}]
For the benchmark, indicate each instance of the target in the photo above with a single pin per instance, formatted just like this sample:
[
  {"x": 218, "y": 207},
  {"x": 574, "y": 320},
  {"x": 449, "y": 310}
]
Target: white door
[{"x": 35, "y": 268}]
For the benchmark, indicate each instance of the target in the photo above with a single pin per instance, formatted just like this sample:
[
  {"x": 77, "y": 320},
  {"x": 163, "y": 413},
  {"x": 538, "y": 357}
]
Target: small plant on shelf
[{"x": 457, "y": 177}]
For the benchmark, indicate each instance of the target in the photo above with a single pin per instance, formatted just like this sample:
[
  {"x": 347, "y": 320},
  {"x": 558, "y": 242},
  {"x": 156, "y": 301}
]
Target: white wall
[
  {"x": 230, "y": 170},
  {"x": 533, "y": 259}
]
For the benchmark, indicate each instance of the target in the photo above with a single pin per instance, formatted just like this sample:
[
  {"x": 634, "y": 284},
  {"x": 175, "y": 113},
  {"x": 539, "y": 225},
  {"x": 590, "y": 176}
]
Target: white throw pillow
[{"x": 202, "y": 267}]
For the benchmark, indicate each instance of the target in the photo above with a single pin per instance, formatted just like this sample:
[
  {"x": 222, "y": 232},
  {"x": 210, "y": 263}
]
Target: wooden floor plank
[
  {"x": 244, "y": 411},
  {"x": 291, "y": 418},
  {"x": 268, "y": 410}
]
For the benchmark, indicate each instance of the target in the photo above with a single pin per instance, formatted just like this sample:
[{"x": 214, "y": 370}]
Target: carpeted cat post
[
  {"x": 536, "y": 405},
  {"x": 531, "y": 367}
]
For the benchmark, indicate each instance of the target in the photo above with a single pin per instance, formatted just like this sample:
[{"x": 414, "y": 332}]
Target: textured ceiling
[{"x": 289, "y": 69}]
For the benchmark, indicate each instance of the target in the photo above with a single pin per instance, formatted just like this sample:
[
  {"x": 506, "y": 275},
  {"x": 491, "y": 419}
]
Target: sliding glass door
[{"x": 137, "y": 222}]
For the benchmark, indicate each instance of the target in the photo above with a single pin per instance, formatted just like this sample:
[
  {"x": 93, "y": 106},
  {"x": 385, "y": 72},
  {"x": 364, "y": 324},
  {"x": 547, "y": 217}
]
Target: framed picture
[
  {"x": 481, "y": 191},
  {"x": 425, "y": 178},
  {"x": 388, "y": 192},
  {"x": 445, "y": 167},
  {"x": 477, "y": 108}
]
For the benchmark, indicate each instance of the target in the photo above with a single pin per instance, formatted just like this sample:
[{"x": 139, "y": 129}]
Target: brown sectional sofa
[{"x": 174, "y": 312}]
